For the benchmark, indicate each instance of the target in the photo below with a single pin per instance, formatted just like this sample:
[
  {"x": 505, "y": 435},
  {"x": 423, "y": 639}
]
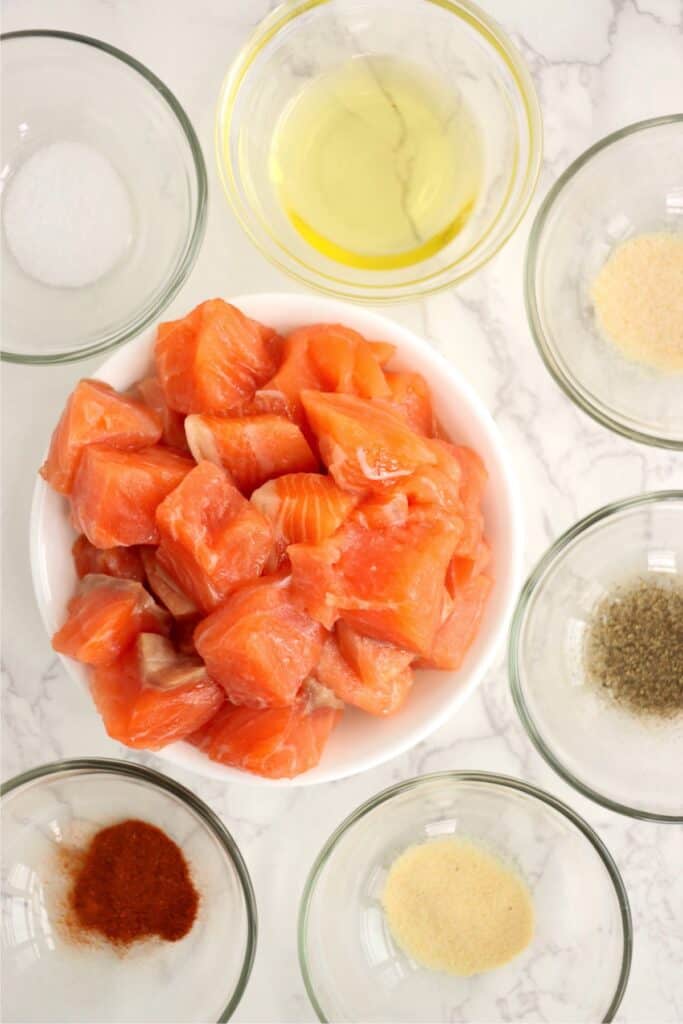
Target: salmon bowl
[{"x": 360, "y": 741}]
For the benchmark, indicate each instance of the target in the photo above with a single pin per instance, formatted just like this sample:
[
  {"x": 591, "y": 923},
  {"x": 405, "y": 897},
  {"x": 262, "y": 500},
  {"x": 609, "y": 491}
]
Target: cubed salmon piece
[
  {"x": 125, "y": 563},
  {"x": 463, "y": 568},
  {"x": 214, "y": 359},
  {"x": 149, "y": 717},
  {"x": 324, "y": 357},
  {"x": 456, "y": 634},
  {"x": 370, "y": 674},
  {"x": 273, "y": 742},
  {"x": 165, "y": 588},
  {"x": 104, "y": 617},
  {"x": 387, "y": 583},
  {"x": 151, "y": 393},
  {"x": 365, "y": 447},
  {"x": 282, "y": 392},
  {"x": 345, "y": 362},
  {"x": 261, "y": 644},
  {"x": 161, "y": 665},
  {"x": 303, "y": 507},
  {"x": 212, "y": 538},
  {"x": 252, "y": 448},
  {"x": 383, "y": 351},
  {"x": 411, "y": 399},
  {"x": 115, "y": 493},
  {"x": 96, "y": 413},
  {"x": 473, "y": 478}
]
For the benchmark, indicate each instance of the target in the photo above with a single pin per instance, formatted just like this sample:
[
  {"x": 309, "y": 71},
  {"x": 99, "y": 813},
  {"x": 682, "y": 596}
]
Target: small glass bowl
[
  {"x": 627, "y": 184},
  {"x": 450, "y": 39},
  {"x": 623, "y": 761},
  {"x": 577, "y": 965},
  {"x": 199, "y": 978},
  {"x": 58, "y": 88}
]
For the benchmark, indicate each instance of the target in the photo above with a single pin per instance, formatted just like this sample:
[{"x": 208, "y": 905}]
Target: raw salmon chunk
[
  {"x": 173, "y": 429},
  {"x": 431, "y": 486},
  {"x": 325, "y": 357},
  {"x": 345, "y": 362},
  {"x": 272, "y": 527},
  {"x": 211, "y": 538},
  {"x": 269, "y": 336},
  {"x": 115, "y": 494},
  {"x": 252, "y": 448},
  {"x": 125, "y": 563},
  {"x": 146, "y": 716},
  {"x": 382, "y": 351},
  {"x": 460, "y": 626},
  {"x": 411, "y": 399},
  {"x": 473, "y": 477},
  {"x": 365, "y": 447},
  {"x": 435, "y": 485},
  {"x": 273, "y": 403},
  {"x": 387, "y": 583},
  {"x": 162, "y": 666},
  {"x": 274, "y": 742},
  {"x": 96, "y": 413},
  {"x": 105, "y": 616},
  {"x": 303, "y": 507},
  {"x": 213, "y": 360},
  {"x": 464, "y": 567},
  {"x": 367, "y": 673},
  {"x": 165, "y": 588},
  {"x": 282, "y": 393},
  {"x": 261, "y": 644}
]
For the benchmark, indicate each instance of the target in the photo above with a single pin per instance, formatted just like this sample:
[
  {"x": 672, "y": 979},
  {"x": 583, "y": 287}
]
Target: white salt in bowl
[
  {"x": 627, "y": 184},
  {"x": 361, "y": 741},
  {"x": 103, "y": 196}
]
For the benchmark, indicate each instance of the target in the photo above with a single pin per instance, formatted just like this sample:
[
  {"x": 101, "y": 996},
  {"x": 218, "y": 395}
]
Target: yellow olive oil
[{"x": 376, "y": 165}]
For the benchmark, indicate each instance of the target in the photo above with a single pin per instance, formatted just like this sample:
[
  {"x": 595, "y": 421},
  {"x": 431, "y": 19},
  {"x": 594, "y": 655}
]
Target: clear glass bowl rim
[
  {"x": 547, "y": 560},
  {"x": 141, "y": 773},
  {"x": 543, "y": 342},
  {"x": 194, "y": 238},
  {"x": 489, "y": 29},
  {"x": 491, "y": 779}
]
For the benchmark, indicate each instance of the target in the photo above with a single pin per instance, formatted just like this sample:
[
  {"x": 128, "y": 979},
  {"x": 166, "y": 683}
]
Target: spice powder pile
[
  {"x": 131, "y": 883},
  {"x": 638, "y": 298},
  {"x": 634, "y": 647}
]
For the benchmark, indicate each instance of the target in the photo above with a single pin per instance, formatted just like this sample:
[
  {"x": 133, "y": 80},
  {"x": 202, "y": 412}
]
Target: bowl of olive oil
[{"x": 378, "y": 150}]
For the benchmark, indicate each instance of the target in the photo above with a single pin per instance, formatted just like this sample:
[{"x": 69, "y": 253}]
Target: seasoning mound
[
  {"x": 638, "y": 297},
  {"x": 455, "y": 907},
  {"x": 67, "y": 216},
  {"x": 132, "y": 882},
  {"x": 634, "y": 647}
]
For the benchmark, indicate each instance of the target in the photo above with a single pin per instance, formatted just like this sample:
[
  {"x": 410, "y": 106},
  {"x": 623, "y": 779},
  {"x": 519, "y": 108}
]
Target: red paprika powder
[{"x": 132, "y": 882}]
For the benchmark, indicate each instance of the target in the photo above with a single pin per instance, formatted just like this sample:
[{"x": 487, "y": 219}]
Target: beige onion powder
[
  {"x": 638, "y": 298},
  {"x": 453, "y": 906}
]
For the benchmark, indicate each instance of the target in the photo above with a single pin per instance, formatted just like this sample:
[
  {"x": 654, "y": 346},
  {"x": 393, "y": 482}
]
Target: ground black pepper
[{"x": 634, "y": 647}]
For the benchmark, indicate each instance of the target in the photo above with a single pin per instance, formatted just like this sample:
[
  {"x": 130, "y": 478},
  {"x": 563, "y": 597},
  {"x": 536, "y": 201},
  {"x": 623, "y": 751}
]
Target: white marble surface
[{"x": 598, "y": 64}]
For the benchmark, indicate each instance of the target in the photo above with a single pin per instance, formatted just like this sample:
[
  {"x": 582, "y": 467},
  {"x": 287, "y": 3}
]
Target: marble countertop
[{"x": 597, "y": 64}]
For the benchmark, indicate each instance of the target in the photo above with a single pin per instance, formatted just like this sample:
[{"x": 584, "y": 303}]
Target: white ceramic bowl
[{"x": 361, "y": 741}]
